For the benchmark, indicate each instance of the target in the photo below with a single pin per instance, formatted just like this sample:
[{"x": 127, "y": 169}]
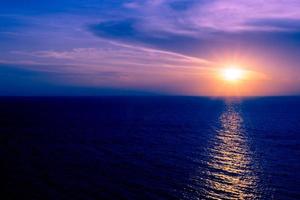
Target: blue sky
[{"x": 99, "y": 47}]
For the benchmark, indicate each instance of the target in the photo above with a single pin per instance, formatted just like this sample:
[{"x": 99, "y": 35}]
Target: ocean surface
[{"x": 149, "y": 148}]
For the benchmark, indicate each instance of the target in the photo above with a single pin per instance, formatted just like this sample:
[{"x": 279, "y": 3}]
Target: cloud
[
  {"x": 235, "y": 15},
  {"x": 183, "y": 5},
  {"x": 119, "y": 28},
  {"x": 190, "y": 17},
  {"x": 119, "y": 56},
  {"x": 153, "y": 43},
  {"x": 195, "y": 27},
  {"x": 288, "y": 25},
  {"x": 116, "y": 65}
]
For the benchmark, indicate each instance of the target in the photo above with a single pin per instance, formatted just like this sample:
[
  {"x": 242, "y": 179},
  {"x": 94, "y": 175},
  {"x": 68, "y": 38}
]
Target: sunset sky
[{"x": 149, "y": 47}]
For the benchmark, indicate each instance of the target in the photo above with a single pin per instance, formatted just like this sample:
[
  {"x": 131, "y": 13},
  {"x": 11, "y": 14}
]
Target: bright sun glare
[{"x": 232, "y": 74}]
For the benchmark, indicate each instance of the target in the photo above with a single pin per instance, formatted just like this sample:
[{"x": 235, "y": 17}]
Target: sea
[{"x": 149, "y": 147}]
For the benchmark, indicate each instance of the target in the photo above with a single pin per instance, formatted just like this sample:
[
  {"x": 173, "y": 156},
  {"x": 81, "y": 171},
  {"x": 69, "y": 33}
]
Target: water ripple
[{"x": 228, "y": 171}]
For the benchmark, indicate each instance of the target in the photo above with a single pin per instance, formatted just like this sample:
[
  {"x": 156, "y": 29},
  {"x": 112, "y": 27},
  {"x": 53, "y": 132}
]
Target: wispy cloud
[
  {"x": 147, "y": 44},
  {"x": 192, "y": 26},
  {"x": 117, "y": 55},
  {"x": 191, "y": 17}
]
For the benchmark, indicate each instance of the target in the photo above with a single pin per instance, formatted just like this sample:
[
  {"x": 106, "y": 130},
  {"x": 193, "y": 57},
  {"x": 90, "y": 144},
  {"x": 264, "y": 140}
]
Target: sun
[{"x": 232, "y": 74}]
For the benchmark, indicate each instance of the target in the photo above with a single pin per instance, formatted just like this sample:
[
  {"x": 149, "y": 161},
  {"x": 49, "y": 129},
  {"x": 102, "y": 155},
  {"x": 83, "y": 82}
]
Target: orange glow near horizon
[{"x": 235, "y": 80}]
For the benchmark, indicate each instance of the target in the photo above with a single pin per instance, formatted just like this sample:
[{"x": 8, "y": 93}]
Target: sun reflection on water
[{"x": 230, "y": 173}]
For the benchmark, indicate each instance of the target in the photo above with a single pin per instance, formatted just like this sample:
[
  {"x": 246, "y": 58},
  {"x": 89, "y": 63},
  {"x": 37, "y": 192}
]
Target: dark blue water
[{"x": 149, "y": 148}]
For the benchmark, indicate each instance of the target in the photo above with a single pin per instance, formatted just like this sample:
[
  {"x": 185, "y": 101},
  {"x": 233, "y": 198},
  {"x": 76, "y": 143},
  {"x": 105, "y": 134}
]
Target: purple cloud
[{"x": 152, "y": 43}]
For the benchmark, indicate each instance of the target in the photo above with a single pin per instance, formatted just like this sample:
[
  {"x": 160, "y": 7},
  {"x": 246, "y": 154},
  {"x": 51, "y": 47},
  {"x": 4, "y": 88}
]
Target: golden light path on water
[
  {"x": 230, "y": 171},
  {"x": 227, "y": 169}
]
